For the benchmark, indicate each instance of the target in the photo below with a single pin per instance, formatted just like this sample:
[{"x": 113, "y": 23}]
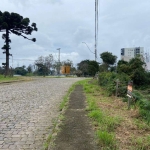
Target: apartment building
[{"x": 129, "y": 53}]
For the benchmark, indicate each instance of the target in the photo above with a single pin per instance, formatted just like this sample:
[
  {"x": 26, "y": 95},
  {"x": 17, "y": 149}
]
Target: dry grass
[{"x": 131, "y": 129}]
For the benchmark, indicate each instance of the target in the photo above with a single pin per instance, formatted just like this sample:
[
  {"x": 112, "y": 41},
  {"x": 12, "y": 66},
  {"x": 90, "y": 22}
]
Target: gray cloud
[
  {"x": 34, "y": 2},
  {"x": 67, "y": 23}
]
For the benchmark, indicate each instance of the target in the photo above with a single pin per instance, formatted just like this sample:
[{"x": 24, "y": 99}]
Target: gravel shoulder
[
  {"x": 27, "y": 111},
  {"x": 76, "y": 132}
]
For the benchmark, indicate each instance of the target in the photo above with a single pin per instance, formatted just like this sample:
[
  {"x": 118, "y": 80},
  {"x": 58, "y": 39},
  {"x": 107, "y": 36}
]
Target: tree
[
  {"x": 49, "y": 61},
  {"x": 16, "y": 24},
  {"x": 67, "y": 63},
  {"x": 44, "y": 64},
  {"x": 93, "y": 67},
  {"x": 108, "y": 59},
  {"x": 20, "y": 70},
  {"x": 83, "y": 66},
  {"x": 135, "y": 70},
  {"x": 57, "y": 66},
  {"x": 2, "y": 71},
  {"x": 29, "y": 69},
  {"x": 42, "y": 70},
  {"x": 88, "y": 67},
  {"x": 123, "y": 66},
  {"x": 73, "y": 71}
]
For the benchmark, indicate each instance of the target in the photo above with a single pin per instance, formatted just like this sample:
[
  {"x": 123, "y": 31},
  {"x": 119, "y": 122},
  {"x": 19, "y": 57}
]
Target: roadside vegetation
[
  {"x": 15, "y": 78},
  {"x": 134, "y": 70},
  {"x": 115, "y": 126}
]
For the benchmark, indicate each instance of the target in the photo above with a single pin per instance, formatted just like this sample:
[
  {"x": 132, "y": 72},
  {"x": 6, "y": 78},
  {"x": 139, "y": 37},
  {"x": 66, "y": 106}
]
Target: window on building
[{"x": 122, "y": 51}]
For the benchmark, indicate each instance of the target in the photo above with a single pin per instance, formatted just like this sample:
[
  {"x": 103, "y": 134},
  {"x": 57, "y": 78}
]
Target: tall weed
[{"x": 106, "y": 139}]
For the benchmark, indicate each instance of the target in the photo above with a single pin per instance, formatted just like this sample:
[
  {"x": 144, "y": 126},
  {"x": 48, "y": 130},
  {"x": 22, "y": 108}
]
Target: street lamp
[
  {"x": 58, "y": 61},
  {"x": 90, "y": 50}
]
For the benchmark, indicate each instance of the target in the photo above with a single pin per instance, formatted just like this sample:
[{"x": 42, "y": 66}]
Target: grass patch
[
  {"x": 117, "y": 127},
  {"x": 104, "y": 124},
  {"x": 15, "y": 78},
  {"x": 106, "y": 139},
  {"x": 142, "y": 125},
  {"x": 141, "y": 143}
]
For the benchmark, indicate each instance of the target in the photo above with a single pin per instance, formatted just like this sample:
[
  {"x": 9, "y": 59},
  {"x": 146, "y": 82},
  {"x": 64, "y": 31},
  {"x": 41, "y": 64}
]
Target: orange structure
[{"x": 65, "y": 69}]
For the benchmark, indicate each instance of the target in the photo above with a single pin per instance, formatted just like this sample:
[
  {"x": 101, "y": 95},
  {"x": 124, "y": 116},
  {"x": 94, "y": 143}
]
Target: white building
[{"x": 129, "y": 53}]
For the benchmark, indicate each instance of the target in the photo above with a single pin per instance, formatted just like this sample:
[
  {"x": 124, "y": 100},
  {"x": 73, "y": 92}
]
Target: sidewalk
[{"x": 76, "y": 132}]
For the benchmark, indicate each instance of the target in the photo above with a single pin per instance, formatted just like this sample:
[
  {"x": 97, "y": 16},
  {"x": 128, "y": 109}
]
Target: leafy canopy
[
  {"x": 135, "y": 70},
  {"x": 88, "y": 67},
  {"x": 16, "y": 24},
  {"x": 108, "y": 58}
]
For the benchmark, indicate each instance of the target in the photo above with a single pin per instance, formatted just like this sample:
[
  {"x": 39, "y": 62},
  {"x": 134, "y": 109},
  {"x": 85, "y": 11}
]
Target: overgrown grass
[
  {"x": 103, "y": 123},
  {"x": 143, "y": 103},
  {"x": 141, "y": 124},
  {"x": 140, "y": 143},
  {"x": 5, "y": 79},
  {"x": 107, "y": 140}
]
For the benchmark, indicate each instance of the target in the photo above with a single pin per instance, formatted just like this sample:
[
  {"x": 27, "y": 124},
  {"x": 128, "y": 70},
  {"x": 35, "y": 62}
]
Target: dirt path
[{"x": 76, "y": 132}]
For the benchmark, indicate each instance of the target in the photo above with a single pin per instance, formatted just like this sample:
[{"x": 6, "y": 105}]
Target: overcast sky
[{"x": 66, "y": 24}]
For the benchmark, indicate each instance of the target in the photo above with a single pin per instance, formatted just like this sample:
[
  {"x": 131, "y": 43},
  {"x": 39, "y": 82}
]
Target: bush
[
  {"x": 144, "y": 105},
  {"x": 108, "y": 81}
]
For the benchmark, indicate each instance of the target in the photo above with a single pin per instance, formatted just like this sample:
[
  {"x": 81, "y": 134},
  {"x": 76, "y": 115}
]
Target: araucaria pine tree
[{"x": 16, "y": 24}]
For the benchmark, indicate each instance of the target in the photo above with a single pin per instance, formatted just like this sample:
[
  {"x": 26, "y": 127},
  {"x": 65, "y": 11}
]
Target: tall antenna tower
[{"x": 96, "y": 27}]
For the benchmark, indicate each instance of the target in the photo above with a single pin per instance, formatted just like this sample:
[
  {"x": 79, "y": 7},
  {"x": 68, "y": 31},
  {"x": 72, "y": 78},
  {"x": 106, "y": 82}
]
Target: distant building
[{"x": 129, "y": 53}]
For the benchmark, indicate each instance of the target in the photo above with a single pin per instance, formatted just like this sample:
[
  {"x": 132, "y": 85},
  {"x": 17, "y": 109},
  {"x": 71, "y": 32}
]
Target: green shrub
[
  {"x": 144, "y": 105},
  {"x": 108, "y": 81}
]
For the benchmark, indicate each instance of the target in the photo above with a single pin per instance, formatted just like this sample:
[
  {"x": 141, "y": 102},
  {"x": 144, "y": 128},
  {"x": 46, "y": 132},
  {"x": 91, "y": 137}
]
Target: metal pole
[
  {"x": 95, "y": 27},
  {"x": 58, "y": 60}
]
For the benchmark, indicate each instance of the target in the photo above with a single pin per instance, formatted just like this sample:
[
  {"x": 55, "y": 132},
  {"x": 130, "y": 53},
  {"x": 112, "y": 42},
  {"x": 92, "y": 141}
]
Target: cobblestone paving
[{"x": 27, "y": 111}]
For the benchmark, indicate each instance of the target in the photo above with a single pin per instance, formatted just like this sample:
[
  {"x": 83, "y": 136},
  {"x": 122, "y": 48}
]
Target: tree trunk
[{"x": 7, "y": 53}]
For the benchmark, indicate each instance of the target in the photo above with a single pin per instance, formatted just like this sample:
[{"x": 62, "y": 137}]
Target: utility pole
[
  {"x": 58, "y": 61},
  {"x": 96, "y": 28}
]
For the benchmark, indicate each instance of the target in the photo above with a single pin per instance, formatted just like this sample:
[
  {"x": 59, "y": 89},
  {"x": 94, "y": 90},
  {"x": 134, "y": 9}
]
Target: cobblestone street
[{"x": 27, "y": 111}]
